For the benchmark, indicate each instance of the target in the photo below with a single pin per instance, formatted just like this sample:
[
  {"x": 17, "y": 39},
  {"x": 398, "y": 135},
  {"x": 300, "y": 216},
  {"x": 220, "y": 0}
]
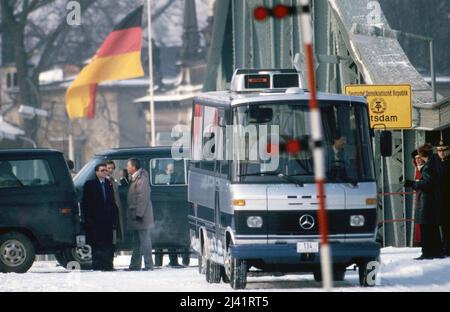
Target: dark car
[
  {"x": 38, "y": 207},
  {"x": 169, "y": 199}
]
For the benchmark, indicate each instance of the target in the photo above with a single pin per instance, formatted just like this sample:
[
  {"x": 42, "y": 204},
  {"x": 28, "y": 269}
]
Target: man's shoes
[
  {"x": 108, "y": 270},
  {"x": 439, "y": 256},
  {"x": 147, "y": 269},
  {"x": 132, "y": 269}
]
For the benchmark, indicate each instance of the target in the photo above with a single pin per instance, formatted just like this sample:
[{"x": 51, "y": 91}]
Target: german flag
[{"x": 118, "y": 58}]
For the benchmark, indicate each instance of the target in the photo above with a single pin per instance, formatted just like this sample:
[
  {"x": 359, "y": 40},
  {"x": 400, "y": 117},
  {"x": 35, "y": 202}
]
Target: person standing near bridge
[
  {"x": 442, "y": 164},
  {"x": 418, "y": 165},
  {"x": 119, "y": 233},
  {"x": 428, "y": 210},
  {"x": 100, "y": 218},
  {"x": 140, "y": 215}
]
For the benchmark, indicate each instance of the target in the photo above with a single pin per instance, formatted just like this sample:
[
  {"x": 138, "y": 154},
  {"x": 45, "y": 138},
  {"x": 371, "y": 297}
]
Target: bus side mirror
[{"x": 386, "y": 143}]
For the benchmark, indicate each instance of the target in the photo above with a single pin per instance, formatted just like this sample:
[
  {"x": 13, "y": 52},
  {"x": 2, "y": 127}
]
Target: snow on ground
[{"x": 398, "y": 272}]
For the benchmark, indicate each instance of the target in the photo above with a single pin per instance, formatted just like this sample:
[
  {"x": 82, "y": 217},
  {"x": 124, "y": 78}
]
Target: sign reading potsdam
[{"x": 390, "y": 106}]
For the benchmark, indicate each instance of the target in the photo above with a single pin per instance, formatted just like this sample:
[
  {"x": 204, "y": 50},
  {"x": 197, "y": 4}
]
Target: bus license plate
[{"x": 308, "y": 247}]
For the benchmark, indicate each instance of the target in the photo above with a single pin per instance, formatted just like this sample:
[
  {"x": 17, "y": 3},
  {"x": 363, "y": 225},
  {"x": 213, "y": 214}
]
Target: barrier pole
[{"x": 318, "y": 146}]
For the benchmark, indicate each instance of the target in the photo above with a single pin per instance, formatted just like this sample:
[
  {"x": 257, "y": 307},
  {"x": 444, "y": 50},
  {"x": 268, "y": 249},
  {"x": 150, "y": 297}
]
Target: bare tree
[{"x": 33, "y": 47}]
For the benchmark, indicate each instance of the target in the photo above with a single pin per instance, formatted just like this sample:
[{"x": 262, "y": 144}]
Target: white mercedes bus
[{"x": 252, "y": 193}]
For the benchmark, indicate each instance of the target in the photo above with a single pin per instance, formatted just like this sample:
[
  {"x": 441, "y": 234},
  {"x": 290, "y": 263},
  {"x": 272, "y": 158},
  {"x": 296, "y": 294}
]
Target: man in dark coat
[
  {"x": 428, "y": 209},
  {"x": 442, "y": 163},
  {"x": 100, "y": 217}
]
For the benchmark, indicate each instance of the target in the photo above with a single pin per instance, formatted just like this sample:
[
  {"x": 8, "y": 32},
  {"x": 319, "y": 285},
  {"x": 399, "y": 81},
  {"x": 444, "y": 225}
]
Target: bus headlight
[
  {"x": 357, "y": 221},
  {"x": 254, "y": 222}
]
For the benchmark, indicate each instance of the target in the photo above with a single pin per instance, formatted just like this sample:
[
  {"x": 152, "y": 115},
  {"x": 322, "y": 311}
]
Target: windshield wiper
[
  {"x": 281, "y": 175},
  {"x": 290, "y": 178}
]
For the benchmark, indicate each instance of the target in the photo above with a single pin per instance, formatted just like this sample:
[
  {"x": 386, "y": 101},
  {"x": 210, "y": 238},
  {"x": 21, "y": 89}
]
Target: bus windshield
[{"x": 348, "y": 150}]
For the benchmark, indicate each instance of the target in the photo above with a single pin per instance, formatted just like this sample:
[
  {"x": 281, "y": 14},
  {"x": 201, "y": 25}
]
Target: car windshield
[{"x": 348, "y": 151}]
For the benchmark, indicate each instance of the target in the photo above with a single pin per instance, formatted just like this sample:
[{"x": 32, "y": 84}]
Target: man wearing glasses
[{"x": 100, "y": 218}]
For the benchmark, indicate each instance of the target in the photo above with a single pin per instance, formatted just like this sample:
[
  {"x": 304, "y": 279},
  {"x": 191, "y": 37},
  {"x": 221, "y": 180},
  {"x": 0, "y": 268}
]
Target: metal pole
[
  {"x": 150, "y": 73},
  {"x": 71, "y": 151},
  {"x": 433, "y": 72},
  {"x": 318, "y": 152},
  {"x": 383, "y": 202},
  {"x": 432, "y": 65}
]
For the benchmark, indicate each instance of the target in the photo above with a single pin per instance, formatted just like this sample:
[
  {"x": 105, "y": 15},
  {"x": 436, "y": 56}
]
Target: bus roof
[{"x": 228, "y": 98}]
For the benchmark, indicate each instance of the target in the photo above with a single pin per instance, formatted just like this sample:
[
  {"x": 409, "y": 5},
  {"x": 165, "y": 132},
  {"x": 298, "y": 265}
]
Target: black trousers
[
  {"x": 431, "y": 240},
  {"x": 446, "y": 239},
  {"x": 102, "y": 258}
]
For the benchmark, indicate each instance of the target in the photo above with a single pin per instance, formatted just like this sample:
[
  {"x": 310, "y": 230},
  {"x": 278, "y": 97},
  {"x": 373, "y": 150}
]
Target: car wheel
[
  {"x": 17, "y": 253},
  {"x": 76, "y": 258}
]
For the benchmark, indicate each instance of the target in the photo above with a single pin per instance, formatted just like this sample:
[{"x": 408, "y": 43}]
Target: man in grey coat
[{"x": 140, "y": 215}]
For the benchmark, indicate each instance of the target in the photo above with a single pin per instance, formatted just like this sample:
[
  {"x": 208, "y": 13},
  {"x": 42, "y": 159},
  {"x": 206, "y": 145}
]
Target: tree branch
[{"x": 50, "y": 46}]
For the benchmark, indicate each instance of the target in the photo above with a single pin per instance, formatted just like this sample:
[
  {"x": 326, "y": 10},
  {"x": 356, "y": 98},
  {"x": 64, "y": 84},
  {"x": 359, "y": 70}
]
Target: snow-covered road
[{"x": 398, "y": 272}]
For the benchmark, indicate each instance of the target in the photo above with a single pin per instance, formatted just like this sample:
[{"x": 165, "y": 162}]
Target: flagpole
[{"x": 150, "y": 74}]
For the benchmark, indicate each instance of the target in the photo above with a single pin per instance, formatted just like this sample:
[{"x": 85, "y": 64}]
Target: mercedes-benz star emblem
[{"x": 306, "y": 222}]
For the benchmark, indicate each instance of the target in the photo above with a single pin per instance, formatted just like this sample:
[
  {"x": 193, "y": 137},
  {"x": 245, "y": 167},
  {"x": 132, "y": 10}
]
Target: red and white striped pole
[{"x": 318, "y": 146}]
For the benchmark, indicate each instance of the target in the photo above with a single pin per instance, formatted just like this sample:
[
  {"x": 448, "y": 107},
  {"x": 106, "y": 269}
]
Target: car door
[{"x": 169, "y": 198}]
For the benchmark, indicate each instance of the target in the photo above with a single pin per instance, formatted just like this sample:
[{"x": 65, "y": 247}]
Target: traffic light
[{"x": 280, "y": 11}]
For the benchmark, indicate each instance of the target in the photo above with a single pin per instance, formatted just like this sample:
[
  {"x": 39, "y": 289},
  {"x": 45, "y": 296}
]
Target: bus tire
[
  {"x": 213, "y": 271},
  {"x": 238, "y": 278},
  {"x": 224, "y": 275},
  {"x": 17, "y": 253},
  {"x": 202, "y": 261}
]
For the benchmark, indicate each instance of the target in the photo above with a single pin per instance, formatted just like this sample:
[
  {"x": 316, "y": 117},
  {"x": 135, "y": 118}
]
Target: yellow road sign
[{"x": 390, "y": 106}]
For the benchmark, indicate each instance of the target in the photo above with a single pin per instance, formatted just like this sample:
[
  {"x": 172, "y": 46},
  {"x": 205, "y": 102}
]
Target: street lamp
[{"x": 30, "y": 112}]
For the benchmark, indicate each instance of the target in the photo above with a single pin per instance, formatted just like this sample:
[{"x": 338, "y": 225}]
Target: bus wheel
[
  {"x": 224, "y": 275},
  {"x": 213, "y": 271},
  {"x": 202, "y": 261},
  {"x": 238, "y": 273},
  {"x": 226, "y": 269},
  {"x": 17, "y": 253}
]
